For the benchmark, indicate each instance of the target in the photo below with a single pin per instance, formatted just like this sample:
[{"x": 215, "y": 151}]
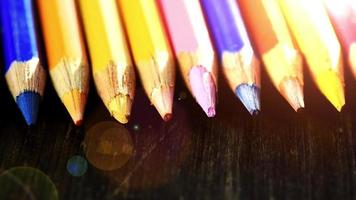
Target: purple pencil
[{"x": 240, "y": 65}]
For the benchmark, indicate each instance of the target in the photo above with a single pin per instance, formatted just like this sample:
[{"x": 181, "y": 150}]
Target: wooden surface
[{"x": 277, "y": 155}]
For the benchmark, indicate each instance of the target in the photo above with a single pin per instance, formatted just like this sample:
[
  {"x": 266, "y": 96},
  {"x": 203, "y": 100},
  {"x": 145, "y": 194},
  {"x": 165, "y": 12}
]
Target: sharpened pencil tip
[
  {"x": 339, "y": 107},
  {"x": 28, "y": 103},
  {"x": 203, "y": 89},
  {"x": 301, "y": 111},
  {"x": 75, "y": 101},
  {"x": 337, "y": 99},
  {"x": 292, "y": 91},
  {"x": 167, "y": 117},
  {"x": 162, "y": 99},
  {"x": 331, "y": 85},
  {"x": 78, "y": 123},
  {"x": 120, "y": 108},
  {"x": 249, "y": 95},
  {"x": 255, "y": 113},
  {"x": 211, "y": 112}
]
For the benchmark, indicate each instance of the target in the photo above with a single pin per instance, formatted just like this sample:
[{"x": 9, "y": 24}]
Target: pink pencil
[
  {"x": 193, "y": 48},
  {"x": 343, "y": 16}
]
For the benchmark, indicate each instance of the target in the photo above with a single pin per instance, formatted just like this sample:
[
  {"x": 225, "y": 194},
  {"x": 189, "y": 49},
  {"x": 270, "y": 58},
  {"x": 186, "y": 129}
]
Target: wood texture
[{"x": 279, "y": 155}]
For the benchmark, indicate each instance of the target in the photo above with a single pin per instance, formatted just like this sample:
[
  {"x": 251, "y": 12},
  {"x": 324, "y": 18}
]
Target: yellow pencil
[
  {"x": 112, "y": 68},
  {"x": 67, "y": 61},
  {"x": 313, "y": 31},
  {"x": 151, "y": 52},
  {"x": 282, "y": 59}
]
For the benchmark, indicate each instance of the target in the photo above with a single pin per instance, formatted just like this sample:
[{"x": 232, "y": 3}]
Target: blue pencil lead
[
  {"x": 250, "y": 97},
  {"x": 28, "y": 103}
]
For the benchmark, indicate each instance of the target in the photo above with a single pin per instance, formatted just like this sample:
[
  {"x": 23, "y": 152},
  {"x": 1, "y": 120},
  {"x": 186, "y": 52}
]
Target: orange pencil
[
  {"x": 67, "y": 61},
  {"x": 275, "y": 44}
]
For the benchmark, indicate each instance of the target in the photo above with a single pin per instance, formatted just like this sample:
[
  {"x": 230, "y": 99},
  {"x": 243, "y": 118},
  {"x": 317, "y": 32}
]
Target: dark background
[{"x": 279, "y": 154}]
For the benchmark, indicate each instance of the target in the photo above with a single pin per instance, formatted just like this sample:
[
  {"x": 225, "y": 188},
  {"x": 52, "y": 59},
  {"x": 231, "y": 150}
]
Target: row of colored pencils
[{"x": 202, "y": 34}]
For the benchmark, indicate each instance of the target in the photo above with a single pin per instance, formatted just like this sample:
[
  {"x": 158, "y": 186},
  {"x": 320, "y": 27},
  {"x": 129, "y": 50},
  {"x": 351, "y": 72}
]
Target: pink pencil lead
[{"x": 203, "y": 89}]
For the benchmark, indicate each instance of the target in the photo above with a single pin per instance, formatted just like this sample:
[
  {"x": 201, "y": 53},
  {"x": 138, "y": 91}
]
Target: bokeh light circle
[
  {"x": 108, "y": 145},
  {"x": 26, "y": 183},
  {"x": 77, "y": 166}
]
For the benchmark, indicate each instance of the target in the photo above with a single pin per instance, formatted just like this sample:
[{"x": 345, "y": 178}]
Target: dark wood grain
[{"x": 276, "y": 155}]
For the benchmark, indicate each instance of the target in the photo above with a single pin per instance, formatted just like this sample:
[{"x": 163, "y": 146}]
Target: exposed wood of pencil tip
[
  {"x": 188, "y": 60},
  {"x": 241, "y": 67},
  {"x": 284, "y": 65},
  {"x": 26, "y": 76},
  {"x": 70, "y": 78},
  {"x": 116, "y": 86},
  {"x": 292, "y": 90},
  {"x": 158, "y": 78}
]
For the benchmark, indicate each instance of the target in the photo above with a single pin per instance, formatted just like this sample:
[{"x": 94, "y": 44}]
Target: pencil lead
[
  {"x": 250, "y": 97},
  {"x": 75, "y": 101},
  {"x": 28, "y": 103},
  {"x": 162, "y": 99},
  {"x": 120, "y": 108},
  {"x": 301, "y": 111},
  {"x": 203, "y": 89},
  {"x": 292, "y": 91},
  {"x": 167, "y": 117},
  {"x": 338, "y": 100}
]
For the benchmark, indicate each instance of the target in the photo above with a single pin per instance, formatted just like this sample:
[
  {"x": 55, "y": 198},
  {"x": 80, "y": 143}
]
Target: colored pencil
[
  {"x": 67, "y": 61},
  {"x": 23, "y": 71},
  {"x": 313, "y": 31},
  {"x": 193, "y": 49},
  {"x": 277, "y": 48},
  {"x": 112, "y": 68},
  {"x": 343, "y": 16},
  {"x": 151, "y": 52},
  {"x": 240, "y": 66}
]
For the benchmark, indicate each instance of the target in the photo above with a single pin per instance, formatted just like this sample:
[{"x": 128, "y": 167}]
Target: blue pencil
[
  {"x": 23, "y": 71},
  {"x": 240, "y": 65}
]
